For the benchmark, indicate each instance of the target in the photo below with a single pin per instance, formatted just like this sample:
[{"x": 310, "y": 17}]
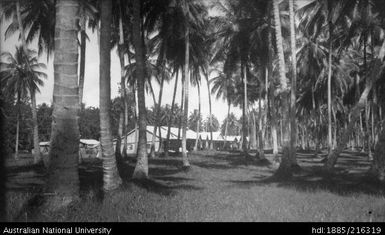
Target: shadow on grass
[
  {"x": 154, "y": 186},
  {"x": 315, "y": 179},
  {"x": 227, "y": 161}
]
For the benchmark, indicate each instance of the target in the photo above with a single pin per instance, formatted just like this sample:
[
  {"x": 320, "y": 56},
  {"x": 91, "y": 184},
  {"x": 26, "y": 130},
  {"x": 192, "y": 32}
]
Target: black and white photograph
[{"x": 192, "y": 111}]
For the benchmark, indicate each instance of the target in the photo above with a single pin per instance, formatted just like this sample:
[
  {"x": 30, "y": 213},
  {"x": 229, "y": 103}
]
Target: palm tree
[
  {"x": 111, "y": 178},
  {"x": 63, "y": 177},
  {"x": 141, "y": 168},
  {"x": 355, "y": 113},
  {"x": 284, "y": 168},
  {"x": 223, "y": 87},
  {"x": 20, "y": 76},
  {"x": 293, "y": 99}
]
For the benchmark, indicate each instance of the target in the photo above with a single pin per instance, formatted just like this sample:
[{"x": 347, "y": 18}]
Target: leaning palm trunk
[
  {"x": 186, "y": 98},
  {"x": 284, "y": 168},
  {"x": 293, "y": 99},
  {"x": 199, "y": 118},
  {"x": 63, "y": 176},
  {"x": 157, "y": 117},
  {"x": 83, "y": 42},
  {"x": 356, "y": 111},
  {"x": 141, "y": 168},
  {"x": 227, "y": 122},
  {"x": 111, "y": 178},
  {"x": 210, "y": 113},
  {"x": 167, "y": 143},
  {"x": 36, "y": 148},
  {"x": 158, "y": 123},
  {"x": 181, "y": 106},
  {"x": 17, "y": 135},
  {"x": 123, "y": 87},
  {"x": 368, "y": 135}
]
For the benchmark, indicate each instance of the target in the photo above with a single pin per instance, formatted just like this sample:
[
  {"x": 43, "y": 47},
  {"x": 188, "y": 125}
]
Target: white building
[{"x": 133, "y": 135}]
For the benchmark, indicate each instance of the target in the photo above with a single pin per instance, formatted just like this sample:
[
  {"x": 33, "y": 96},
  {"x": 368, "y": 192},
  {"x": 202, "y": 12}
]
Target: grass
[{"x": 223, "y": 186}]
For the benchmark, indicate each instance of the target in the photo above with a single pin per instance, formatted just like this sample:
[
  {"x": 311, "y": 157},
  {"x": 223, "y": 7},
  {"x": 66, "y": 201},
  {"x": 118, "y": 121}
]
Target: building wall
[{"x": 132, "y": 145}]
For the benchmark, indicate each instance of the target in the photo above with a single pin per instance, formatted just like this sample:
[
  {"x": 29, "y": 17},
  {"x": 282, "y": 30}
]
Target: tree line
[{"x": 307, "y": 73}]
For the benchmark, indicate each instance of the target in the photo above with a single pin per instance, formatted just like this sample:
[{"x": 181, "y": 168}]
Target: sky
[{"x": 91, "y": 82}]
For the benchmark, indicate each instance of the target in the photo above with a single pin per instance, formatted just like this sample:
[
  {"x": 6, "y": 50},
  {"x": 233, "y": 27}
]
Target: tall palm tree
[
  {"x": 193, "y": 19},
  {"x": 186, "y": 93},
  {"x": 20, "y": 77},
  {"x": 141, "y": 168},
  {"x": 63, "y": 176},
  {"x": 355, "y": 113},
  {"x": 293, "y": 99},
  {"x": 111, "y": 178},
  {"x": 284, "y": 168}
]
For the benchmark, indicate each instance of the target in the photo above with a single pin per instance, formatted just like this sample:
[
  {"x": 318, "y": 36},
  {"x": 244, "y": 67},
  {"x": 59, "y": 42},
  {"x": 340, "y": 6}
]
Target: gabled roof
[
  {"x": 163, "y": 130},
  {"x": 207, "y": 135},
  {"x": 82, "y": 141},
  {"x": 89, "y": 141}
]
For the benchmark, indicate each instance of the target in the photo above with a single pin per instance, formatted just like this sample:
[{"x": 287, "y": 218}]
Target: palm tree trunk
[
  {"x": 356, "y": 111},
  {"x": 284, "y": 168},
  {"x": 181, "y": 107},
  {"x": 335, "y": 128},
  {"x": 111, "y": 178},
  {"x": 329, "y": 92},
  {"x": 152, "y": 149},
  {"x": 227, "y": 121},
  {"x": 167, "y": 143},
  {"x": 199, "y": 118},
  {"x": 272, "y": 88},
  {"x": 260, "y": 131},
  {"x": 135, "y": 110},
  {"x": 36, "y": 156},
  {"x": 210, "y": 113},
  {"x": 158, "y": 122},
  {"x": 253, "y": 131},
  {"x": 378, "y": 164},
  {"x": 244, "y": 110},
  {"x": 17, "y": 135},
  {"x": 63, "y": 176},
  {"x": 186, "y": 98},
  {"x": 118, "y": 145},
  {"x": 123, "y": 82},
  {"x": 293, "y": 99},
  {"x": 83, "y": 42},
  {"x": 141, "y": 168},
  {"x": 157, "y": 110},
  {"x": 266, "y": 104}
]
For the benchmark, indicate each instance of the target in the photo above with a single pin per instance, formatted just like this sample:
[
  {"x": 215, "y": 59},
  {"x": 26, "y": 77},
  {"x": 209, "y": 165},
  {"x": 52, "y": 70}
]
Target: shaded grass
[{"x": 222, "y": 186}]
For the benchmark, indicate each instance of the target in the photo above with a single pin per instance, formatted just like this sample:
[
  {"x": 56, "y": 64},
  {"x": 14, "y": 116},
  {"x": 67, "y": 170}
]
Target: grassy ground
[{"x": 220, "y": 186}]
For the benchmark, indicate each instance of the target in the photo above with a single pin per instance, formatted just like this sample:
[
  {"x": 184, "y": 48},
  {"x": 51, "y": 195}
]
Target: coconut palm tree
[
  {"x": 293, "y": 99},
  {"x": 373, "y": 76},
  {"x": 63, "y": 177},
  {"x": 20, "y": 77},
  {"x": 141, "y": 168},
  {"x": 223, "y": 87},
  {"x": 284, "y": 168},
  {"x": 111, "y": 178}
]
